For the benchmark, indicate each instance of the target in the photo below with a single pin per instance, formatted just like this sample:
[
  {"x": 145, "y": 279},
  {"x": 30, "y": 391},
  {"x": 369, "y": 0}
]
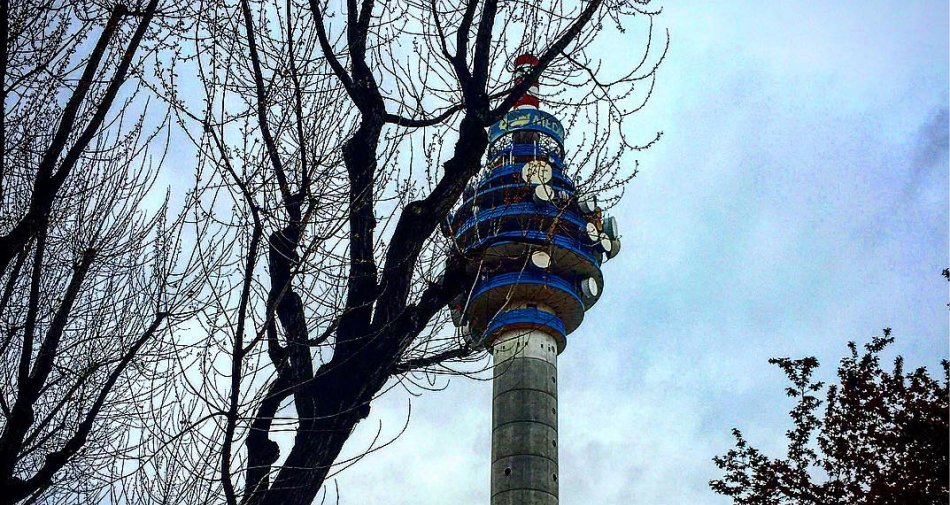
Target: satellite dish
[
  {"x": 610, "y": 227},
  {"x": 605, "y": 243},
  {"x": 588, "y": 204},
  {"x": 536, "y": 172},
  {"x": 614, "y": 248},
  {"x": 593, "y": 234},
  {"x": 589, "y": 288},
  {"x": 543, "y": 193},
  {"x": 540, "y": 259}
]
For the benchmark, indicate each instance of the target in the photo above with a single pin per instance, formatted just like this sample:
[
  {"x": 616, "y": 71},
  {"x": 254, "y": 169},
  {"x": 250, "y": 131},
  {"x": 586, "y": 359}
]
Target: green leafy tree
[{"x": 882, "y": 438}]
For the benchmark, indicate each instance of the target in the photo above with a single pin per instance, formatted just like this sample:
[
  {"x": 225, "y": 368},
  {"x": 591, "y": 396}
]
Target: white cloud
[{"x": 773, "y": 219}]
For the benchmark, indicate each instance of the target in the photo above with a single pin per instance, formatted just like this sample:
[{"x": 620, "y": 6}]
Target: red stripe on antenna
[
  {"x": 527, "y": 100},
  {"x": 526, "y": 59},
  {"x": 523, "y": 65}
]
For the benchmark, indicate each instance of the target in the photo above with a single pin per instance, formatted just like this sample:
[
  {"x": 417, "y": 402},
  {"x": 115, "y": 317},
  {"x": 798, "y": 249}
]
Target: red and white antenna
[{"x": 524, "y": 64}]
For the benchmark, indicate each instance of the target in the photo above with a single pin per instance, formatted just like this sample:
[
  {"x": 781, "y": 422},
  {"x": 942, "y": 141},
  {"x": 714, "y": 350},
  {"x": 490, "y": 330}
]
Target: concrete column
[{"x": 524, "y": 419}]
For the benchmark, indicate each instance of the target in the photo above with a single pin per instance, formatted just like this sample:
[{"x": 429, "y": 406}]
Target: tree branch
[{"x": 435, "y": 359}]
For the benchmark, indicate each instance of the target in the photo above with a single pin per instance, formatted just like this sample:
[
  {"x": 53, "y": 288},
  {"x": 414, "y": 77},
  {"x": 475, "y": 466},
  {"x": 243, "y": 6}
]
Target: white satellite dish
[
  {"x": 610, "y": 227},
  {"x": 614, "y": 248},
  {"x": 536, "y": 172},
  {"x": 593, "y": 234},
  {"x": 589, "y": 288},
  {"x": 588, "y": 204},
  {"x": 540, "y": 259},
  {"x": 543, "y": 193}
]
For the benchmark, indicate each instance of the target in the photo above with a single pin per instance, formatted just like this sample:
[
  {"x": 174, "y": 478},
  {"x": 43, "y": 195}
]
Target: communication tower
[{"x": 535, "y": 247}]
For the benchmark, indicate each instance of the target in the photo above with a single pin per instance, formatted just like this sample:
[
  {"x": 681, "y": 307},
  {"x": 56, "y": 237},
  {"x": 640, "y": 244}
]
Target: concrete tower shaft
[{"x": 524, "y": 419}]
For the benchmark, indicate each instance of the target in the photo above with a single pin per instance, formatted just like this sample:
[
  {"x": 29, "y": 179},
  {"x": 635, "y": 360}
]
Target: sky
[{"x": 798, "y": 200}]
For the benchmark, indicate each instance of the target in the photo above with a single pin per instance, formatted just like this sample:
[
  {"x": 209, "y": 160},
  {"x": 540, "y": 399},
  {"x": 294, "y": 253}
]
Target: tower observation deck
[{"x": 535, "y": 247}]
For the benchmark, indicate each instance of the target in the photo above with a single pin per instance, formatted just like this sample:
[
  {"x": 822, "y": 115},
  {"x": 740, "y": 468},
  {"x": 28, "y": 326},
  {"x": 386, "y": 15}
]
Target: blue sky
[{"x": 798, "y": 200}]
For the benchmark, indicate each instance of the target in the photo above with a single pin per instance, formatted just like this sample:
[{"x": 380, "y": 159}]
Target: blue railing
[
  {"x": 539, "y": 238},
  {"x": 527, "y": 150},
  {"x": 527, "y": 277},
  {"x": 483, "y": 192},
  {"x": 512, "y": 169},
  {"x": 526, "y": 316},
  {"x": 520, "y": 209}
]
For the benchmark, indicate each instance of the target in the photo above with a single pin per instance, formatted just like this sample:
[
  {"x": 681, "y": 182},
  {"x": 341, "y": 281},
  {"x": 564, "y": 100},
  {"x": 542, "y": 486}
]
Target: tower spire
[{"x": 524, "y": 64}]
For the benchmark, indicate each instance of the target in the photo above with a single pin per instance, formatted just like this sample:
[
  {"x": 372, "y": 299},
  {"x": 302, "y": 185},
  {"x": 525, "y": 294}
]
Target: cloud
[
  {"x": 933, "y": 141},
  {"x": 770, "y": 221}
]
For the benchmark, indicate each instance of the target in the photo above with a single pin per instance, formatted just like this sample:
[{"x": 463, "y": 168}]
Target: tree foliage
[{"x": 881, "y": 438}]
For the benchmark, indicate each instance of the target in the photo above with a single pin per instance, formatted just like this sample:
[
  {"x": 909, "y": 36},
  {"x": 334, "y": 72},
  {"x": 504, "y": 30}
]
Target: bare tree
[
  {"x": 91, "y": 282},
  {"x": 334, "y": 142}
]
